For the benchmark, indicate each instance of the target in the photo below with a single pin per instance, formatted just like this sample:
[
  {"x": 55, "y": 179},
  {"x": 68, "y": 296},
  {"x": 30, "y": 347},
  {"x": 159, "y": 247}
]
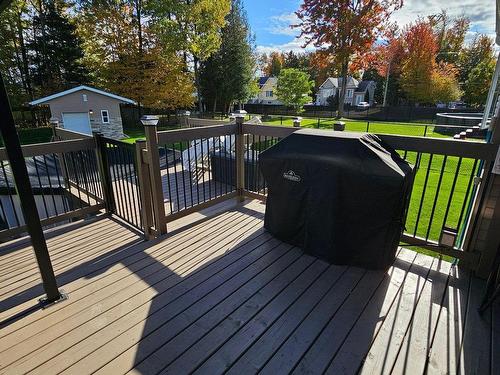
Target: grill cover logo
[{"x": 292, "y": 176}]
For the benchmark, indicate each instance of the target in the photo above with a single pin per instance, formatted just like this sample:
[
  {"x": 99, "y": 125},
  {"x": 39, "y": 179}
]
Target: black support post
[{"x": 28, "y": 206}]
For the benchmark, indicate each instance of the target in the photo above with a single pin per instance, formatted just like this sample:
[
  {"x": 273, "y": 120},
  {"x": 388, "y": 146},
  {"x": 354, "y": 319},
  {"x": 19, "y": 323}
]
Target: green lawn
[{"x": 401, "y": 128}]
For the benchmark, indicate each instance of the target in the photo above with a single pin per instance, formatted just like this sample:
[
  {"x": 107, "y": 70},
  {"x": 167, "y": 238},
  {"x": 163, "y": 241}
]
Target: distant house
[
  {"x": 356, "y": 92},
  {"x": 86, "y": 109},
  {"x": 267, "y": 93}
]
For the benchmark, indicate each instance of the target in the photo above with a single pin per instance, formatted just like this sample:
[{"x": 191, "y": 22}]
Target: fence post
[
  {"x": 296, "y": 122},
  {"x": 240, "y": 159},
  {"x": 103, "y": 167},
  {"x": 367, "y": 126},
  {"x": 153, "y": 160},
  {"x": 425, "y": 131},
  {"x": 144, "y": 189}
]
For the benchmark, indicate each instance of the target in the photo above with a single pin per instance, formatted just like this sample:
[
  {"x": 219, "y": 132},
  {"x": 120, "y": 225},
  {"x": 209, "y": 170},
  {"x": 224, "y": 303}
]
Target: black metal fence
[
  {"x": 64, "y": 178},
  {"x": 413, "y": 129},
  {"x": 197, "y": 171},
  {"x": 376, "y": 113},
  {"x": 122, "y": 181},
  {"x": 442, "y": 195}
]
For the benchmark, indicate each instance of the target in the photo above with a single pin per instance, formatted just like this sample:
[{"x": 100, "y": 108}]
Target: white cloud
[
  {"x": 294, "y": 45},
  {"x": 481, "y": 13},
  {"x": 280, "y": 25}
]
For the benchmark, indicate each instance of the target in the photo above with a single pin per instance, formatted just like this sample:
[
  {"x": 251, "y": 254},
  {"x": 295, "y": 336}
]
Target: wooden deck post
[
  {"x": 144, "y": 189},
  {"x": 240, "y": 158},
  {"x": 153, "y": 160}
]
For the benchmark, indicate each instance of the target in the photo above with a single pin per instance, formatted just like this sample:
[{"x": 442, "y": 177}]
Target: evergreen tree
[
  {"x": 227, "y": 77},
  {"x": 57, "y": 54}
]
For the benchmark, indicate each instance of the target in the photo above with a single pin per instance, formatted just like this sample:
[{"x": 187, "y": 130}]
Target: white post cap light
[
  {"x": 296, "y": 122},
  {"x": 149, "y": 120},
  {"x": 54, "y": 121},
  {"x": 241, "y": 112}
]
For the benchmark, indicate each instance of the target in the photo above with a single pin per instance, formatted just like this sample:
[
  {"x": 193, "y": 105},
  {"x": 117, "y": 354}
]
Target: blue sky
[{"x": 270, "y": 19}]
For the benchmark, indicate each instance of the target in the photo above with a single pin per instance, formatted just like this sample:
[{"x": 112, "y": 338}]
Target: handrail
[
  {"x": 268, "y": 130},
  {"x": 171, "y": 136},
  {"x": 67, "y": 135},
  {"x": 52, "y": 147},
  {"x": 439, "y": 146},
  {"x": 201, "y": 122}
]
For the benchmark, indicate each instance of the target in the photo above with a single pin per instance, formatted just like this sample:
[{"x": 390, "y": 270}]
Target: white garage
[
  {"x": 77, "y": 122},
  {"x": 86, "y": 109}
]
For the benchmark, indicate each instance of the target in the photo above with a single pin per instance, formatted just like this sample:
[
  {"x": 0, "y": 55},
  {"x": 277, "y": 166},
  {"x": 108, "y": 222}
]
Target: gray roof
[
  {"x": 363, "y": 86},
  {"x": 79, "y": 88},
  {"x": 262, "y": 81},
  {"x": 337, "y": 81}
]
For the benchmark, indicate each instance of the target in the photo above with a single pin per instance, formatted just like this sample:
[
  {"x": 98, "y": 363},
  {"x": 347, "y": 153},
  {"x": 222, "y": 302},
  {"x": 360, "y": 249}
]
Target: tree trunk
[
  {"x": 141, "y": 50},
  {"x": 197, "y": 83},
  {"x": 343, "y": 88},
  {"x": 215, "y": 106}
]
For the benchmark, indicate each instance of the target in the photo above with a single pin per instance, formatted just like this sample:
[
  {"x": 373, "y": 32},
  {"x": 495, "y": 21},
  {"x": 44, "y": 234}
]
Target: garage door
[{"x": 77, "y": 122}]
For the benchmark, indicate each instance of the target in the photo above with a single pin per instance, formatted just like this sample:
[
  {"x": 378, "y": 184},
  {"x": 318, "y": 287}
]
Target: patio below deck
[{"x": 223, "y": 296}]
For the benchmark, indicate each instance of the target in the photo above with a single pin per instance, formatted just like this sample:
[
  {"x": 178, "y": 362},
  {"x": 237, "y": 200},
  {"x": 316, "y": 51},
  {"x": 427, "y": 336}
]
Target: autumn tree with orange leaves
[
  {"x": 344, "y": 29},
  {"x": 423, "y": 79}
]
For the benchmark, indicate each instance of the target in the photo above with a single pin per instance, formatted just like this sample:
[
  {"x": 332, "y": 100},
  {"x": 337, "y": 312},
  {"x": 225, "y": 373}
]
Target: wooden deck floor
[{"x": 223, "y": 296}]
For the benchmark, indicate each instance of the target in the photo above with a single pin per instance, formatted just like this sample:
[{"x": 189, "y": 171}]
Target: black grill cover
[{"x": 340, "y": 196}]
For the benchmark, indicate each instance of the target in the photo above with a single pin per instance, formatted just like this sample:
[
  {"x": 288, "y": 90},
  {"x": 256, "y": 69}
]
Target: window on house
[
  {"x": 105, "y": 116},
  {"x": 269, "y": 94},
  {"x": 349, "y": 93},
  {"x": 85, "y": 99}
]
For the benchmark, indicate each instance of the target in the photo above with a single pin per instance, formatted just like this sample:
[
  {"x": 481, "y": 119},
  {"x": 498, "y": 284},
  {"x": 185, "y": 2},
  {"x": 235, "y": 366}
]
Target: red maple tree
[{"x": 344, "y": 29}]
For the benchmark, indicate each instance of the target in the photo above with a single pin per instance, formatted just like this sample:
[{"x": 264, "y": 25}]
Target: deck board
[{"x": 224, "y": 296}]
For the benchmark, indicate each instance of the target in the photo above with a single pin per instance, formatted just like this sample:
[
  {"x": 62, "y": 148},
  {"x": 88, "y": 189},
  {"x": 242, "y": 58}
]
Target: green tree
[
  {"x": 478, "y": 82},
  {"x": 191, "y": 27},
  {"x": 125, "y": 56},
  {"x": 13, "y": 54},
  {"x": 478, "y": 51},
  {"x": 450, "y": 36},
  {"x": 227, "y": 76},
  {"x": 293, "y": 88},
  {"x": 56, "y": 51}
]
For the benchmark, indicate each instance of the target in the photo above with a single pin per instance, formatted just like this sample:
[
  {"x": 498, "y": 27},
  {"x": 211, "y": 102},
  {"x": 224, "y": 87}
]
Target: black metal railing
[
  {"x": 121, "y": 169},
  {"x": 197, "y": 171},
  {"x": 442, "y": 195},
  {"x": 254, "y": 145},
  {"x": 65, "y": 181}
]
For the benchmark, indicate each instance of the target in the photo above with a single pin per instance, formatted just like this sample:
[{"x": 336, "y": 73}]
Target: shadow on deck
[{"x": 225, "y": 296}]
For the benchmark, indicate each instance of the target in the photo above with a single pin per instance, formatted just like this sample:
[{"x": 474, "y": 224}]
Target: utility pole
[{"x": 387, "y": 74}]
